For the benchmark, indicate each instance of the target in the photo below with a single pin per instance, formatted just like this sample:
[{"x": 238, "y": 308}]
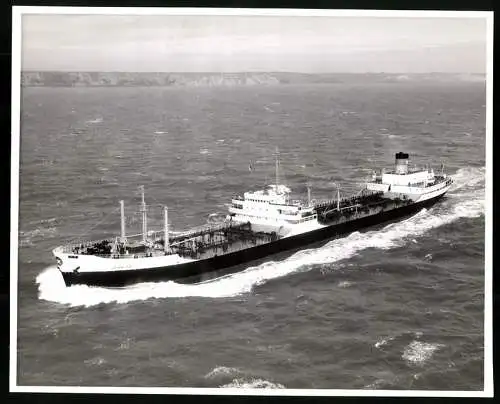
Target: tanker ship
[{"x": 259, "y": 224}]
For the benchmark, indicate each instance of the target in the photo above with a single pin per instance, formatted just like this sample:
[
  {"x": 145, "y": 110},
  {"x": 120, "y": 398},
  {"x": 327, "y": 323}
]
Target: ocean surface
[{"x": 397, "y": 307}]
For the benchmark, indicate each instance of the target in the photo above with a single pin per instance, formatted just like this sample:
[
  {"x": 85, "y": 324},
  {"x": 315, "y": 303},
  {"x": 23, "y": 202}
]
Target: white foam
[
  {"x": 52, "y": 288},
  {"x": 383, "y": 341},
  {"x": 94, "y": 361},
  {"x": 344, "y": 284},
  {"x": 468, "y": 177},
  {"x": 418, "y": 352},
  {"x": 96, "y": 120},
  {"x": 221, "y": 371},
  {"x": 253, "y": 384},
  {"x": 375, "y": 385}
]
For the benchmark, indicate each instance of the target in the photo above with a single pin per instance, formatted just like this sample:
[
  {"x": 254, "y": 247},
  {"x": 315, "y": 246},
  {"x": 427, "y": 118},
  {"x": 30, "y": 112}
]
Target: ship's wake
[{"x": 466, "y": 200}]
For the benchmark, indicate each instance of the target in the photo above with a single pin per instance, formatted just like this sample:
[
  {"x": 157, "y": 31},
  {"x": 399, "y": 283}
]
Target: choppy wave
[
  {"x": 468, "y": 177},
  {"x": 52, "y": 288},
  {"x": 28, "y": 237},
  {"x": 344, "y": 284},
  {"x": 97, "y": 361},
  {"x": 384, "y": 380},
  {"x": 217, "y": 217},
  {"x": 222, "y": 371},
  {"x": 418, "y": 352},
  {"x": 383, "y": 341},
  {"x": 95, "y": 120},
  {"x": 253, "y": 384}
]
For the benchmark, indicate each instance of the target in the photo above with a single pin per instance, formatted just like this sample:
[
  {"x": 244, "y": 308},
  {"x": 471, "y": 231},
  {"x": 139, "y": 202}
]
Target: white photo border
[{"x": 19, "y": 11}]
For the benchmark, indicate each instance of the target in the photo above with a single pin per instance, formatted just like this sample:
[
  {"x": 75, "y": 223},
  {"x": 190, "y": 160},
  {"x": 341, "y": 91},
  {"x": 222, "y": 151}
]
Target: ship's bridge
[
  {"x": 274, "y": 194},
  {"x": 416, "y": 177},
  {"x": 272, "y": 205}
]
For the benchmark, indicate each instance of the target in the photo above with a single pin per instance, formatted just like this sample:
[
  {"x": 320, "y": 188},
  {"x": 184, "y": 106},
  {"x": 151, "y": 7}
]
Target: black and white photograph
[{"x": 251, "y": 201}]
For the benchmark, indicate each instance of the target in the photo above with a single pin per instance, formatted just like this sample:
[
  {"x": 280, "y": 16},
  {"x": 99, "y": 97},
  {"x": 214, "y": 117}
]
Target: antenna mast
[
  {"x": 122, "y": 209},
  {"x": 144, "y": 216},
  {"x": 277, "y": 168},
  {"x": 166, "y": 237},
  {"x": 338, "y": 198}
]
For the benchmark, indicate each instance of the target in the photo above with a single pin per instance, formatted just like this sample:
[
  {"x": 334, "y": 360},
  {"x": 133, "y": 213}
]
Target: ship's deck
[
  {"x": 355, "y": 208},
  {"x": 199, "y": 243},
  {"x": 437, "y": 180}
]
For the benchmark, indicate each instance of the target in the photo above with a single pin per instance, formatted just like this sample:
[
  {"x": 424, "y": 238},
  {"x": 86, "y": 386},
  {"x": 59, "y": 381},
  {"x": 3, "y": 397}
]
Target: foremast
[
  {"x": 277, "y": 169},
  {"x": 144, "y": 217},
  {"x": 122, "y": 214},
  {"x": 166, "y": 236}
]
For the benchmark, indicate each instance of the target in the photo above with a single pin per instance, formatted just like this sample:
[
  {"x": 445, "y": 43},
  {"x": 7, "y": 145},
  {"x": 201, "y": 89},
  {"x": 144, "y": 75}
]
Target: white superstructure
[
  {"x": 417, "y": 185},
  {"x": 272, "y": 209}
]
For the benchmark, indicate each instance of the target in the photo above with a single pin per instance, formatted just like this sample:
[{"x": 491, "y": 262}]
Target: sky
[{"x": 165, "y": 43}]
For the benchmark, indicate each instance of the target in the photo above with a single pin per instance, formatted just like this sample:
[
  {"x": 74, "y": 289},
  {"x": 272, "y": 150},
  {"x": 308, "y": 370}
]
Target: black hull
[{"x": 230, "y": 263}]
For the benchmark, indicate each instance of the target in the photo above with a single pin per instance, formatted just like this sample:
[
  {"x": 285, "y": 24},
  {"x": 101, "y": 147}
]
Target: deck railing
[{"x": 153, "y": 236}]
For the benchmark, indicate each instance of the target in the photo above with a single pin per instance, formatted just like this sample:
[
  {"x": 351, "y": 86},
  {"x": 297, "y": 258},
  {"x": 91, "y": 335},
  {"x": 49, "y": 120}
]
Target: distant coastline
[{"x": 147, "y": 79}]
